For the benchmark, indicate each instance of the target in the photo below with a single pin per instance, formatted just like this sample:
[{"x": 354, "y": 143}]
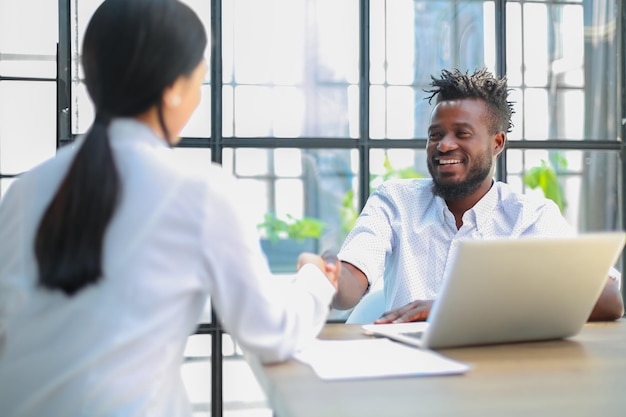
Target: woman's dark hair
[
  {"x": 132, "y": 51},
  {"x": 481, "y": 85}
]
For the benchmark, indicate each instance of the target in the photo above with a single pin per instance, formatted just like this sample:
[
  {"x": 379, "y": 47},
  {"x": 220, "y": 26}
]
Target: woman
[{"x": 114, "y": 247}]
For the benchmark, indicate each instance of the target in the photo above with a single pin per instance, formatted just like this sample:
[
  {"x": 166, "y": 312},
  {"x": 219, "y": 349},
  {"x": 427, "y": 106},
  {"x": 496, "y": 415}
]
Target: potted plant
[{"x": 285, "y": 238}]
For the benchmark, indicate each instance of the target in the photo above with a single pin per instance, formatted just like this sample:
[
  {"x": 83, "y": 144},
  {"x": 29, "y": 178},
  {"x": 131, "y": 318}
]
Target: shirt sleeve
[
  {"x": 371, "y": 238},
  {"x": 271, "y": 317}
]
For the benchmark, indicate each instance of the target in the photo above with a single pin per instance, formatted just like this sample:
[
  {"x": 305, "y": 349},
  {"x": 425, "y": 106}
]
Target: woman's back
[{"x": 123, "y": 337}]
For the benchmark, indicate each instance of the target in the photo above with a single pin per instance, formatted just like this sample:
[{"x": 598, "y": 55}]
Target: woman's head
[{"x": 134, "y": 49}]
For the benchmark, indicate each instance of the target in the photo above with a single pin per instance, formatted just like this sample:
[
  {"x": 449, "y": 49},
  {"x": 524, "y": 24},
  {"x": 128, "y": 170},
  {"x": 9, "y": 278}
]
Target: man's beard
[{"x": 478, "y": 172}]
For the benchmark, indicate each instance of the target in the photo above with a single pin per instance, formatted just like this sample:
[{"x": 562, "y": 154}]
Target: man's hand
[
  {"x": 414, "y": 311},
  {"x": 328, "y": 263},
  {"x": 610, "y": 305}
]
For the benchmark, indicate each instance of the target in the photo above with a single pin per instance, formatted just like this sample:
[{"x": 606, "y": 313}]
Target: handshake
[{"x": 327, "y": 262}]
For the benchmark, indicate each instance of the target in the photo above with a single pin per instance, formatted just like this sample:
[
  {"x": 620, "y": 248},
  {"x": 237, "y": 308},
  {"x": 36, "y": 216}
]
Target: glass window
[
  {"x": 412, "y": 40},
  {"x": 303, "y": 199},
  {"x": 27, "y": 124},
  {"x": 28, "y": 38},
  {"x": 290, "y": 68},
  {"x": 583, "y": 183},
  {"x": 28, "y": 48},
  {"x": 561, "y": 61}
]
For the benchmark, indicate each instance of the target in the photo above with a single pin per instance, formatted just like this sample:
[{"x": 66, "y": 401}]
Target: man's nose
[{"x": 447, "y": 143}]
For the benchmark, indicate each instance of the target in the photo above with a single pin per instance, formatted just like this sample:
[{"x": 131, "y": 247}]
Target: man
[{"x": 408, "y": 228}]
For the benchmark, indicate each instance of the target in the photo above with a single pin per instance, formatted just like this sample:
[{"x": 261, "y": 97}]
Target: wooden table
[{"x": 581, "y": 376}]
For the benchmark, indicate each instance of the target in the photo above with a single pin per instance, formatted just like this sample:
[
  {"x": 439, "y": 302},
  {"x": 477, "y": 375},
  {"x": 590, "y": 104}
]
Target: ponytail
[{"x": 69, "y": 240}]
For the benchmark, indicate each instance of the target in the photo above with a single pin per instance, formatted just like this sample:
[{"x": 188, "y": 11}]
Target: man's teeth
[{"x": 449, "y": 161}]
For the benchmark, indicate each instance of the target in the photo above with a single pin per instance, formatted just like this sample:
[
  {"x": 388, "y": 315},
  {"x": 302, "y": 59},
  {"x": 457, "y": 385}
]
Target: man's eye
[
  {"x": 463, "y": 134},
  {"x": 434, "y": 136}
]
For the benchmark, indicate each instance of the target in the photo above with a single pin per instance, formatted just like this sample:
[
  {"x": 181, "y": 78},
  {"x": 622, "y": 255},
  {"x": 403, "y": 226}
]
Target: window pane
[
  {"x": 536, "y": 124},
  {"x": 28, "y": 38},
  {"x": 396, "y": 163},
  {"x": 27, "y": 124},
  {"x": 537, "y": 117},
  {"x": 587, "y": 183},
  {"x": 83, "y": 113},
  {"x": 514, "y": 44},
  {"x": 297, "y": 75},
  {"x": 412, "y": 40},
  {"x": 562, "y": 59}
]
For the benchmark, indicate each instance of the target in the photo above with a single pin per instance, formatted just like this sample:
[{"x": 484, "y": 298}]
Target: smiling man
[{"x": 407, "y": 231}]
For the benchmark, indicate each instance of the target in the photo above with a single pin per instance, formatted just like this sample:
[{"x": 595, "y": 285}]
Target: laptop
[{"x": 514, "y": 290}]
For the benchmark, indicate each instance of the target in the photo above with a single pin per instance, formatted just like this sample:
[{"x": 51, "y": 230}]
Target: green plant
[
  {"x": 545, "y": 177},
  {"x": 291, "y": 228},
  {"x": 391, "y": 172}
]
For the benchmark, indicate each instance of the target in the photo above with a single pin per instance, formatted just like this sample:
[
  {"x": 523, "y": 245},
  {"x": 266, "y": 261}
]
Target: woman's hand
[{"x": 327, "y": 262}]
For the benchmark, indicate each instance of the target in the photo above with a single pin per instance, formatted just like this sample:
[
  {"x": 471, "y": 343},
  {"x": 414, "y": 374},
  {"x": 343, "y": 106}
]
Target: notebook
[{"x": 514, "y": 290}]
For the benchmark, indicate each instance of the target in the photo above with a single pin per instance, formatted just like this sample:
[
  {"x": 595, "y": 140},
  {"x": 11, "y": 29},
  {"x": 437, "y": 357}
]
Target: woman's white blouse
[{"x": 178, "y": 236}]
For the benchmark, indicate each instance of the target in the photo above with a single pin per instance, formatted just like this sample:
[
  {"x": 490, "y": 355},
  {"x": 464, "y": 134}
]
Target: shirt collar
[
  {"x": 128, "y": 128},
  {"x": 479, "y": 214},
  {"x": 485, "y": 207}
]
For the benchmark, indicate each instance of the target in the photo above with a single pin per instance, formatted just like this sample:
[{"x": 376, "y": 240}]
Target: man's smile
[{"x": 448, "y": 161}]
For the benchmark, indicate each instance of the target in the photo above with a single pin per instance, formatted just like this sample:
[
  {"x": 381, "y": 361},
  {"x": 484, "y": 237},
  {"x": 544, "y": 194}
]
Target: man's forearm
[{"x": 352, "y": 285}]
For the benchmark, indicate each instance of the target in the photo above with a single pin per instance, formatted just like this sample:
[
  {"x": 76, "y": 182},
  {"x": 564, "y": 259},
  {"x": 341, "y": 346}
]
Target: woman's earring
[{"x": 175, "y": 101}]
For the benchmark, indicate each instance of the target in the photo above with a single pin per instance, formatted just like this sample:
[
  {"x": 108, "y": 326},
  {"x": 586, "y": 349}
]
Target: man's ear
[{"x": 499, "y": 141}]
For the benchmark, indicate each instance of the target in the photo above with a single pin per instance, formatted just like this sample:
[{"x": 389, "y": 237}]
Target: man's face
[{"x": 461, "y": 148}]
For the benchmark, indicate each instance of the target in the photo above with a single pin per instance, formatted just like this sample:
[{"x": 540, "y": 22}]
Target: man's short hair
[{"x": 481, "y": 85}]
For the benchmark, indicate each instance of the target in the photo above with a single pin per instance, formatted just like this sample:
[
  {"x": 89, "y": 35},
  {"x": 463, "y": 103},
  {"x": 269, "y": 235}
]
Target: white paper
[{"x": 375, "y": 358}]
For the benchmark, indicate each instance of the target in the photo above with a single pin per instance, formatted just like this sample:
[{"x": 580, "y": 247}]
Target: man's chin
[
  {"x": 450, "y": 189},
  {"x": 447, "y": 180}
]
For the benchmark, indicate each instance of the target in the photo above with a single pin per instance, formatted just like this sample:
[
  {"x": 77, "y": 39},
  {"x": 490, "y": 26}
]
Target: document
[{"x": 375, "y": 358}]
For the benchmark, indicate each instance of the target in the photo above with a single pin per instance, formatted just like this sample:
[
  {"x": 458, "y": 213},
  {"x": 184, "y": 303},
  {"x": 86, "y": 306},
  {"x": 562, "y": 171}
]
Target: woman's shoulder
[{"x": 50, "y": 170}]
